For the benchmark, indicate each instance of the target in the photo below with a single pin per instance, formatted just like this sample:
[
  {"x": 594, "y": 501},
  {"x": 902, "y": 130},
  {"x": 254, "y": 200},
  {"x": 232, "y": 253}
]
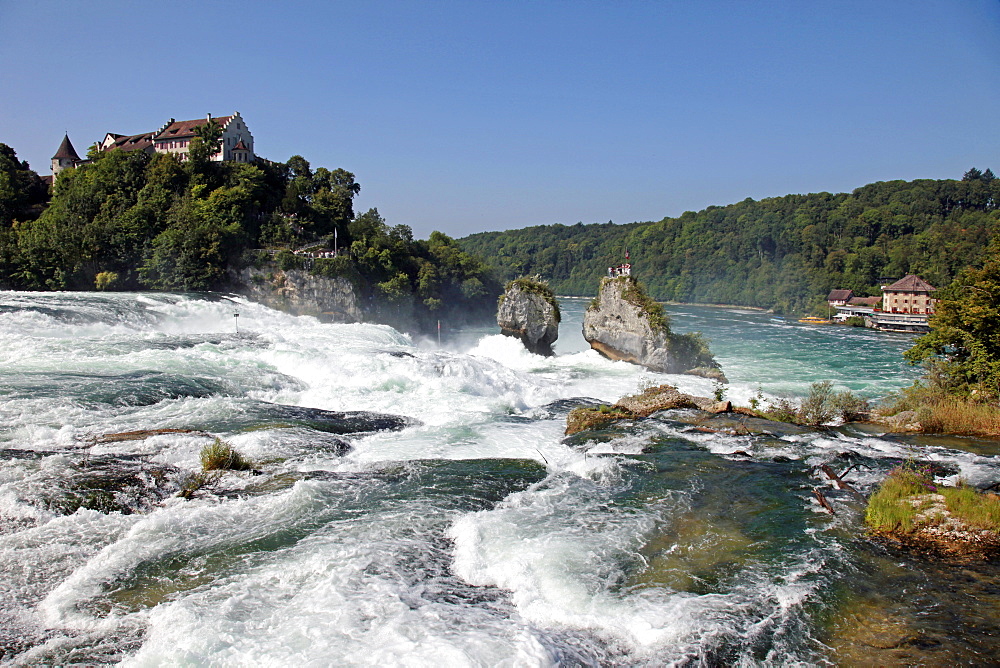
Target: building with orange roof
[{"x": 910, "y": 294}]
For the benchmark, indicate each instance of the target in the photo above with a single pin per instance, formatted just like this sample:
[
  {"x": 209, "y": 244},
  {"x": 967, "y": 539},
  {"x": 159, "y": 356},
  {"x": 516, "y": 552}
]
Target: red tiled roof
[
  {"x": 66, "y": 150},
  {"x": 865, "y": 301},
  {"x": 839, "y": 295},
  {"x": 910, "y": 283},
  {"x": 185, "y": 129},
  {"x": 132, "y": 142},
  {"x": 240, "y": 146}
]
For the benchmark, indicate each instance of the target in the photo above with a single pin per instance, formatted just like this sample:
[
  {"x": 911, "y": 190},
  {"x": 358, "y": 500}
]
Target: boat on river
[{"x": 814, "y": 320}]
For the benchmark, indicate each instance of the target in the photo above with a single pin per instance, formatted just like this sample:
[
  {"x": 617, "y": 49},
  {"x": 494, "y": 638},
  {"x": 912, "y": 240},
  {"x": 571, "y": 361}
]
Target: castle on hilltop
[{"x": 173, "y": 137}]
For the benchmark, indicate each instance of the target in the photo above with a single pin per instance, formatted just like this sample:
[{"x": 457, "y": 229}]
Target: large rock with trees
[
  {"x": 624, "y": 323},
  {"x": 528, "y": 311},
  {"x": 286, "y": 233}
]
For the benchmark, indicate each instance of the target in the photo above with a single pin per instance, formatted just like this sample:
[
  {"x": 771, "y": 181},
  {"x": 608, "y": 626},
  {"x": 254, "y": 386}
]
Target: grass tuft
[
  {"x": 939, "y": 412},
  {"x": 890, "y": 509},
  {"x": 981, "y": 511},
  {"x": 894, "y": 507},
  {"x": 220, "y": 456}
]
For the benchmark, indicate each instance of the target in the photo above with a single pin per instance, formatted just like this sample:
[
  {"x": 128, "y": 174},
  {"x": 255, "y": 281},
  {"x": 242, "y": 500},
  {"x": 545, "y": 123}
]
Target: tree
[
  {"x": 22, "y": 191},
  {"x": 963, "y": 346},
  {"x": 206, "y": 143},
  {"x": 333, "y": 200}
]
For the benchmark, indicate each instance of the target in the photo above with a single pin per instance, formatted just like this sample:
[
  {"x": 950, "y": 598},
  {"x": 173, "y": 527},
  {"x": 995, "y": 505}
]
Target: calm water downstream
[{"x": 475, "y": 535}]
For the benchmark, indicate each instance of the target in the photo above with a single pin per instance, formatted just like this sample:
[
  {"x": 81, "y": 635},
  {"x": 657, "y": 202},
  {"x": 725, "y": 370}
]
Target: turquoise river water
[{"x": 417, "y": 504}]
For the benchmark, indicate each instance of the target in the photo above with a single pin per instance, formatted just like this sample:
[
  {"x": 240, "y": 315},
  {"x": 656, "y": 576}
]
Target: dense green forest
[
  {"x": 129, "y": 220},
  {"x": 784, "y": 253}
]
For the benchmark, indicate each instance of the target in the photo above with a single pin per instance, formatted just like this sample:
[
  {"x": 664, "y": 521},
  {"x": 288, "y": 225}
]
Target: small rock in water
[{"x": 528, "y": 311}]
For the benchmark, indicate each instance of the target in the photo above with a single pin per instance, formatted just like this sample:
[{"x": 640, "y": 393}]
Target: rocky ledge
[
  {"x": 661, "y": 398},
  {"x": 301, "y": 293},
  {"x": 624, "y": 323},
  {"x": 528, "y": 311}
]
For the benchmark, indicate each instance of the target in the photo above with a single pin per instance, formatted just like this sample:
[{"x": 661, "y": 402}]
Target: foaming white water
[
  {"x": 346, "y": 591},
  {"x": 474, "y": 536}
]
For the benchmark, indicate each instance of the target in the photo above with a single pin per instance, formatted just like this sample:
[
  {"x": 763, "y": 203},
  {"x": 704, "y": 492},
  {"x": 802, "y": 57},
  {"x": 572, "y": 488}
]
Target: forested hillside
[
  {"x": 128, "y": 221},
  {"x": 784, "y": 253}
]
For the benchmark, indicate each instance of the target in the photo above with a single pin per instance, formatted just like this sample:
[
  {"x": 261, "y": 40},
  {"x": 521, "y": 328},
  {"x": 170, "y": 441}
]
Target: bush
[
  {"x": 105, "y": 280},
  {"x": 850, "y": 406},
  {"x": 335, "y": 267},
  {"x": 287, "y": 260},
  {"x": 718, "y": 391},
  {"x": 817, "y": 408},
  {"x": 781, "y": 410},
  {"x": 219, "y": 456}
]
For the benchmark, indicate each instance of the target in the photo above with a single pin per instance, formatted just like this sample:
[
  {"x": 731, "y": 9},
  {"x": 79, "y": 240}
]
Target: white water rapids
[{"x": 475, "y": 536}]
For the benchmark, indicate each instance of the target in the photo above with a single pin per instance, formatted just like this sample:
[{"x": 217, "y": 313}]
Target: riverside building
[{"x": 905, "y": 306}]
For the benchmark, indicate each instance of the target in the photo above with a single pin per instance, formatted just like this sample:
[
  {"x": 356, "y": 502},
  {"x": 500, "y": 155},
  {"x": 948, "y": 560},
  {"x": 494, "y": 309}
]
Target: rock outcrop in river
[
  {"x": 624, "y": 323},
  {"x": 661, "y": 398},
  {"x": 528, "y": 311}
]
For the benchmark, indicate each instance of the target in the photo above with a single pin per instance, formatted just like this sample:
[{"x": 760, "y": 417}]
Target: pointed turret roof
[
  {"x": 66, "y": 150},
  {"x": 910, "y": 283}
]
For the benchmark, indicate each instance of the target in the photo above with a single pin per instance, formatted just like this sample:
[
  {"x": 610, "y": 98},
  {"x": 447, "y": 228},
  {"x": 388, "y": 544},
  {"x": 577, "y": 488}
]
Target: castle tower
[{"x": 65, "y": 157}]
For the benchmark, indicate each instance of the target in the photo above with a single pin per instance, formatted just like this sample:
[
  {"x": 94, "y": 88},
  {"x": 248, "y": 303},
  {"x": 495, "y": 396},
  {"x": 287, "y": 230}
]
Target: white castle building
[{"x": 173, "y": 137}]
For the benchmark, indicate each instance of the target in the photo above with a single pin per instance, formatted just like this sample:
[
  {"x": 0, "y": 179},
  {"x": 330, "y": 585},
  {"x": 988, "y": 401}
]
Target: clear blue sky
[{"x": 469, "y": 116}]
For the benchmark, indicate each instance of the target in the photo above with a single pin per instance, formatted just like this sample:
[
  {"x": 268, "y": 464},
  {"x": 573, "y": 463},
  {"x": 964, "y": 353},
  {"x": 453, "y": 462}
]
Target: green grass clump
[
  {"x": 981, "y": 511},
  {"x": 889, "y": 508},
  {"x": 220, "y": 456}
]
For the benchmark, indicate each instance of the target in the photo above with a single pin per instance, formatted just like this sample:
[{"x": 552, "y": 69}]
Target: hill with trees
[
  {"x": 129, "y": 221},
  {"x": 783, "y": 253}
]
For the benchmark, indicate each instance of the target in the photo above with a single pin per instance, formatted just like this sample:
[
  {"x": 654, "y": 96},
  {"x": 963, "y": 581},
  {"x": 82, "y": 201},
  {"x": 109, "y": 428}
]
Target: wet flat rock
[
  {"x": 109, "y": 484},
  {"x": 735, "y": 423},
  {"x": 334, "y": 422}
]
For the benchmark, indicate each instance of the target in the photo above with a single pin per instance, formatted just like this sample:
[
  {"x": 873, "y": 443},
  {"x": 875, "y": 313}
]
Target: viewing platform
[{"x": 887, "y": 322}]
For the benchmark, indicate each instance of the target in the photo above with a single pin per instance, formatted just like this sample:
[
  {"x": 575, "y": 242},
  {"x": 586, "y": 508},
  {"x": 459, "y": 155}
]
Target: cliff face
[
  {"x": 301, "y": 293},
  {"x": 528, "y": 312},
  {"x": 624, "y": 324}
]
